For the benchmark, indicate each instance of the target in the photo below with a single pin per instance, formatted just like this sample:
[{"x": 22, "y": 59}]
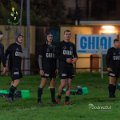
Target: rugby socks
[
  {"x": 11, "y": 92},
  {"x": 112, "y": 89},
  {"x": 67, "y": 98},
  {"x": 52, "y": 91},
  {"x": 40, "y": 91}
]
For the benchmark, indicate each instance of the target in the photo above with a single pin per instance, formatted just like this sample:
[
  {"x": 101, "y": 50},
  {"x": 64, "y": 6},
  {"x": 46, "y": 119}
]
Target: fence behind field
[{"x": 92, "y": 61}]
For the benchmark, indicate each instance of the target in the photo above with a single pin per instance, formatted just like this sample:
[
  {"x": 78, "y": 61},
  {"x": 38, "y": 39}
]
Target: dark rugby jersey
[
  {"x": 14, "y": 51},
  {"x": 66, "y": 50},
  {"x": 113, "y": 58},
  {"x": 48, "y": 57},
  {"x": 2, "y": 56}
]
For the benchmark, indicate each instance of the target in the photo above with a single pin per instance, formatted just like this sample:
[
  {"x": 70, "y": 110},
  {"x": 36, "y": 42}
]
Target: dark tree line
[
  {"x": 53, "y": 12},
  {"x": 42, "y": 12}
]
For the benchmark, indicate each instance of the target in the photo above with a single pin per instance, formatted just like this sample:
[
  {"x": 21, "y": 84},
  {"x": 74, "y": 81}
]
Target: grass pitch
[{"x": 80, "y": 110}]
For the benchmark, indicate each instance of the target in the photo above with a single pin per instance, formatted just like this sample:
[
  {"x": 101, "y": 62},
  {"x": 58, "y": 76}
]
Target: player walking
[{"x": 14, "y": 55}]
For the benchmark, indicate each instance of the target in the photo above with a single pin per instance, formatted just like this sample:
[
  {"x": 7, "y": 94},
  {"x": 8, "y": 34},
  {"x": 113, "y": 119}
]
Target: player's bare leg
[
  {"x": 16, "y": 83},
  {"x": 67, "y": 97},
  {"x": 62, "y": 85},
  {"x": 11, "y": 82},
  {"x": 12, "y": 89}
]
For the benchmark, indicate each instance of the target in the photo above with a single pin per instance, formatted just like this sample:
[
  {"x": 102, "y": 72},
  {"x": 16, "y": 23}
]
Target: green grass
[{"x": 29, "y": 110}]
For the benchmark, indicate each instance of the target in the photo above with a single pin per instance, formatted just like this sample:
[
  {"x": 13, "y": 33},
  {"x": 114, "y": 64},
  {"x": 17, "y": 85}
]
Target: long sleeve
[
  {"x": 7, "y": 54},
  {"x": 74, "y": 52},
  {"x": 40, "y": 56},
  {"x": 3, "y": 56},
  {"x": 57, "y": 63},
  {"x": 57, "y": 51},
  {"x": 108, "y": 57},
  {"x": 40, "y": 62}
]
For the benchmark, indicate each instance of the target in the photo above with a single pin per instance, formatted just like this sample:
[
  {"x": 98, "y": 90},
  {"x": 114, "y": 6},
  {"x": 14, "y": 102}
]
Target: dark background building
[{"x": 92, "y": 10}]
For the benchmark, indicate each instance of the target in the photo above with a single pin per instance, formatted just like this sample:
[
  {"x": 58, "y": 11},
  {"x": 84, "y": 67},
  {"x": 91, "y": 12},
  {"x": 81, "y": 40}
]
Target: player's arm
[
  {"x": 3, "y": 60},
  {"x": 40, "y": 62},
  {"x": 3, "y": 56},
  {"x": 22, "y": 60},
  {"x": 7, "y": 53},
  {"x": 75, "y": 56},
  {"x": 108, "y": 58},
  {"x": 57, "y": 65},
  {"x": 57, "y": 60},
  {"x": 40, "y": 56}
]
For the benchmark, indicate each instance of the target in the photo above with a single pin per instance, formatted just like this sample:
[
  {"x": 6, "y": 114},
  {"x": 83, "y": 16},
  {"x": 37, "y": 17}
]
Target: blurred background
[{"x": 34, "y": 18}]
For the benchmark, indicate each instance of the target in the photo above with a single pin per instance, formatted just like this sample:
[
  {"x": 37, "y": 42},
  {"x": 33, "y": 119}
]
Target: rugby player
[
  {"x": 48, "y": 67},
  {"x": 14, "y": 55},
  {"x": 66, "y": 53},
  {"x": 113, "y": 67}
]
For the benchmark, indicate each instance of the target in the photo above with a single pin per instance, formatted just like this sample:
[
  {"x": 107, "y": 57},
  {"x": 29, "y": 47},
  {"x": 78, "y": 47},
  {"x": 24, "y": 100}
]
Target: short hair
[
  {"x": 66, "y": 31},
  {"x": 115, "y": 40},
  {"x": 49, "y": 33},
  {"x": 18, "y": 35}
]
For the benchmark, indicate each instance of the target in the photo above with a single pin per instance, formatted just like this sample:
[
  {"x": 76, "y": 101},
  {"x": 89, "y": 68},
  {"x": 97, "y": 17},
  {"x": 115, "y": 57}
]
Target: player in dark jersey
[
  {"x": 66, "y": 53},
  {"x": 2, "y": 56},
  {"x": 113, "y": 67},
  {"x": 47, "y": 65},
  {"x": 14, "y": 55}
]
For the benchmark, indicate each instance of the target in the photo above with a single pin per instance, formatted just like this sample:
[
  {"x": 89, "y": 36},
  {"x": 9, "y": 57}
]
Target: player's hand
[
  {"x": 109, "y": 69},
  {"x": 74, "y": 60},
  {"x": 41, "y": 72},
  {"x": 56, "y": 71},
  {"x": 4, "y": 70},
  {"x": 69, "y": 60}
]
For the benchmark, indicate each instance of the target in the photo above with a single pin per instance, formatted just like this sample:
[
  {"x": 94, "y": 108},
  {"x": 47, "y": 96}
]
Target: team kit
[{"x": 55, "y": 60}]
